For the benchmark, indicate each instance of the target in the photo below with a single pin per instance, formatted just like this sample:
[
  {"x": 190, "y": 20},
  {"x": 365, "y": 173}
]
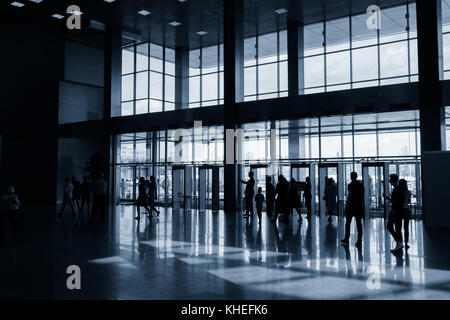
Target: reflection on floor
[{"x": 213, "y": 255}]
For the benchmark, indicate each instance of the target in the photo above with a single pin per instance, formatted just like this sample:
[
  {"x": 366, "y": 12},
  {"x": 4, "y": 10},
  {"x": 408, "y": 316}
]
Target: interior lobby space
[{"x": 225, "y": 150}]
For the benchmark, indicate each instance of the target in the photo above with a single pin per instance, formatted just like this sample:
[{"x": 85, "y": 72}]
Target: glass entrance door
[
  {"x": 300, "y": 171},
  {"x": 376, "y": 185},
  {"x": 205, "y": 188},
  {"x": 178, "y": 191},
  {"x": 127, "y": 183},
  {"x": 335, "y": 172}
]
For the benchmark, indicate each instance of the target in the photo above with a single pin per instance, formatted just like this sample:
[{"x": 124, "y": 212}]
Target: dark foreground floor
[{"x": 213, "y": 255}]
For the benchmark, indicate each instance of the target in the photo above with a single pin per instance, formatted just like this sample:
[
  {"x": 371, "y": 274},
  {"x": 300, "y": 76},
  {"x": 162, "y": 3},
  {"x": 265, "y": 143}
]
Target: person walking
[
  {"x": 152, "y": 196},
  {"x": 67, "y": 197},
  {"x": 259, "y": 200},
  {"x": 394, "y": 224},
  {"x": 248, "y": 194},
  {"x": 142, "y": 198},
  {"x": 354, "y": 208},
  {"x": 99, "y": 191},
  {"x": 76, "y": 192},
  {"x": 282, "y": 201},
  {"x": 330, "y": 197},
  {"x": 406, "y": 214},
  {"x": 294, "y": 198},
  {"x": 307, "y": 195},
  {"x": 270, "y": 196}
]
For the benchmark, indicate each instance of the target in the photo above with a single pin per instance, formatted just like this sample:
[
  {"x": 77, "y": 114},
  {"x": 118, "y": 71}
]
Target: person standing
[
  {"x": 67, "y": 197},
  {"x": 294, "y": 198},
  {"x": 152, "y": 196},
  {"x": 259, "y": 199},
  {"x": 86, "y": 192},
  {"x": 354, "y": 208},
  {"x": 12, "y": 209},
  {"x": 248, "y": 194},
  {"x": 330, "y": 197},
  {"x": 99, "y": 190},
  {"x": 394, "y": 224},
  {"x": 307, "y": 195},
  {"x": 270, "y": 196}
]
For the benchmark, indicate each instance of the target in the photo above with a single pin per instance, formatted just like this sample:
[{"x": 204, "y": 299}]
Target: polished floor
[{"x": 213, "y": 255}]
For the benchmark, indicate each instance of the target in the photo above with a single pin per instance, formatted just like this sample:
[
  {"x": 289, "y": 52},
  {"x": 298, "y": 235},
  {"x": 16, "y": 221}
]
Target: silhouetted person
[
  {"x": 99, "y": 191},
  {"x": 282, "y": 201},
  {"x": 394, "y": 224},
  {"x": 259, "y": 200},
  {"x": 123, "y": 188},
  {"x": 11, "y": 208},
  {"x": 152, "y": 196},
  {"x": 403, "y": 185},
  {"x": 354, "y": 208},
  {"x": 142, "y": 198},
  {"x": 86, "y": 194},
  {"x": 330, "y": 197},
  {"x": 67, "y": 197},
  {"x": 270, "y": 196},
  {"x": 326, "y": 183},
  {"x": 249, "y": 193},
  {"x": 294, "y": 198},
  {"x": 307, "y": 195},
  {"x": 76, "y": 192}
]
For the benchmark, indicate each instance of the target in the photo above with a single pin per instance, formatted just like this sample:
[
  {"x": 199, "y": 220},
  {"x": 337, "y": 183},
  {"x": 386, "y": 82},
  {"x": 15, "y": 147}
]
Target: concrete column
[
  {"x": 113, "y": 71},
  {"x": 233, "y": 87},
  {"x": 181, "y": 78},
  {"x": 295, "y": 51},
  {"x": 432, "y": 114}
]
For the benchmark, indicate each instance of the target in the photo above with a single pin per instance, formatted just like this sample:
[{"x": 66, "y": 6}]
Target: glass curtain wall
[
  {"x": 445, "y": 7},
  {"x": 265, "y": 66},
  {"x": 447, "y": 126},
  {"x": 344, "y": 53},
  {"x": 154, "y": 153},
  {"x": 148, "y": 79},
  {"x": 206, "y": 76}
]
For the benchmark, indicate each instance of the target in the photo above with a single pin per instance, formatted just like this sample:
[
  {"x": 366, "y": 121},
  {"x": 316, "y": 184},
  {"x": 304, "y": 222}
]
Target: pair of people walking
[
  {"x": 147, "y": 197},
  {"x": 400, "y": 213}
]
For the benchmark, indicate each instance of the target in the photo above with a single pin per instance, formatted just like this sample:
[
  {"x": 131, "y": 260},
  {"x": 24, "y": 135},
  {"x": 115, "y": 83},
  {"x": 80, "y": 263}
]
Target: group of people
[
  {"x": 77, "y": 195},
  {"x": 147, "y": 197},
  {"x": 284, "y": 198}
]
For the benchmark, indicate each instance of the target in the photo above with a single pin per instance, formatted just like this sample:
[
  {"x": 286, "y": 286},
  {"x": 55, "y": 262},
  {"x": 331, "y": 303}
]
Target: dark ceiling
[{"x": 194, "y": 16}]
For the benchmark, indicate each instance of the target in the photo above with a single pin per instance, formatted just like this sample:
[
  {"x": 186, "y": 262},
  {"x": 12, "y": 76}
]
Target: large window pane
[
  {"x": 250, "y": 51},
  {"x": 128, "y": 87},
  {"x": 314, "y": 71},
  {"x": 142, "y": 57},
  {"x": 365, "y": 64},
  {"x": 267, "y": 48},
  {"x": 170, "y": 88},
  {"x": 142, "y": 85},
  {"x": 338, "y": 34},
  {"x": 127, "y": 109},
  {"x": 156, "y": 85},
  {"x": 394, "y": 59},
  {"x": 250, "y": 81},
  {"x": 209, "y": 59},
  {"x": 141, "y": 106},
  {"x": 267, "y": 78},
  {"x": 313, "y": 38},
  {"x": 283, "y": 76},
  {"x": 194, "y": 89},
  {"x": 156, "y": 57},
  {"x": 338, "y": 68},
  {"x": 361, "y": 35},
  {"x": 128, "y": 60},
  {"x": 170, "y": 61},
  {"x": 209, "y": 87},
  {"x": 393, "y": 24}
]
